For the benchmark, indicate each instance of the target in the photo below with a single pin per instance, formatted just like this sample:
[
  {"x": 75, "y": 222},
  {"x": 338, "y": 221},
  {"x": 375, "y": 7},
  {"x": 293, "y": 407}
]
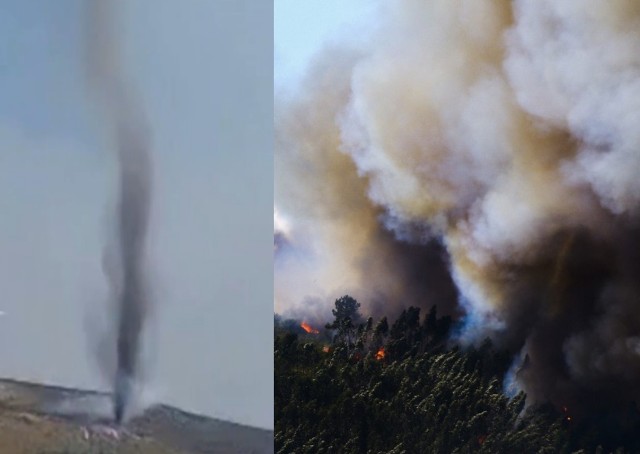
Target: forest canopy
[{"x": 368, "y": 386}]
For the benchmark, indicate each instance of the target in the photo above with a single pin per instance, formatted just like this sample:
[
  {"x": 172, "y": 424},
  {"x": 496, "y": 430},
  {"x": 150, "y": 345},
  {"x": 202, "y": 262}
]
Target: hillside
[{"x": 30, "y": 422}]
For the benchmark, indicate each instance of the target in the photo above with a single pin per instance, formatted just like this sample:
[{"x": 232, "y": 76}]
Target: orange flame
[
  {"x": 308, "y": 328},
  {"x": 325, "y": 349},
  {"x": 380, "y": 355}
]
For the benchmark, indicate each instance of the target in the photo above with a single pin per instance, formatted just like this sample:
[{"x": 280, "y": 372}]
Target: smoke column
[
  {"x": 489, "y": 147},
  {"x": 336, "y": 242},
  {"x": 132, "y": 208}
]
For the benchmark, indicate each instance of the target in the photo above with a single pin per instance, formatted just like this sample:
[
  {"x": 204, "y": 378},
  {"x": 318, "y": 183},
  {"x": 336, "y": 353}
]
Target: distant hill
[{"x": 34, "y": 419}]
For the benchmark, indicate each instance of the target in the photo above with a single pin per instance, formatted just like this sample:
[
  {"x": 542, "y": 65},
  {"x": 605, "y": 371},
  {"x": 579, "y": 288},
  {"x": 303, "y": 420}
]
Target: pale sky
[
  {"x": 301, "y": 28},
  {"x": 204, "y": 70}
]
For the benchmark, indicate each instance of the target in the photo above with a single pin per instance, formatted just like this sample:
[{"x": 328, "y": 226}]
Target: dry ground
[{"x": 31, "y": 421}]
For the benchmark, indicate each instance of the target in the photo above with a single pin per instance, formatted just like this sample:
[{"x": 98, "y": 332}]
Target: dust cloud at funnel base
[{"x": 481, "y": 156}]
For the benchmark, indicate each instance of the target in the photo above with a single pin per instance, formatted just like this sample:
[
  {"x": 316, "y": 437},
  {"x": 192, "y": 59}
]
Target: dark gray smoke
[
  {"x": 134, "y": 203},
  {"x": 127, "y": 273}
]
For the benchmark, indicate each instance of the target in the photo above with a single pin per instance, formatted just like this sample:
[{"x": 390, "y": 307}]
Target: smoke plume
[
  {"x": 124, "y": 260},
  {"x": 493, "y": 145}
]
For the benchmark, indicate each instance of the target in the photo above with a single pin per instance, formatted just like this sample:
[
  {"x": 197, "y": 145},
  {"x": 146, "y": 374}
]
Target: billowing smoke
[
  {"x": 336, "y": 242},
  {"x": 124, "y": 259},
  {"x": 494, "y": 144}
]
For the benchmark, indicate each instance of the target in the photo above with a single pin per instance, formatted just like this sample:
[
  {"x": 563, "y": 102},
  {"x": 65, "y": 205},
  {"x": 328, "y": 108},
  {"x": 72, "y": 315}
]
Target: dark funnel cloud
[{"x": 126, "y": 257}]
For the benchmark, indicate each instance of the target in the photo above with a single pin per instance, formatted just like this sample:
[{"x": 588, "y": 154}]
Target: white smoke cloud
[{"x": 509, "y": 130}]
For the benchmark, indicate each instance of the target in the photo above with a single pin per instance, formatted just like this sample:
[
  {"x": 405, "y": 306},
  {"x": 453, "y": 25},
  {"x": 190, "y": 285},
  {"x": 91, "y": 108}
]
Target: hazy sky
[
  {"x": 301, "y": 28},
  {"x": 204, "y": 70}
]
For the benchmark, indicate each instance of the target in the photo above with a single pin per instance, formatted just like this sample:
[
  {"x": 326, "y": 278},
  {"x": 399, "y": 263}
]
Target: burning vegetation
[
  {"x": 441, "y": 399},
  {"x": 308, "y": 328}
]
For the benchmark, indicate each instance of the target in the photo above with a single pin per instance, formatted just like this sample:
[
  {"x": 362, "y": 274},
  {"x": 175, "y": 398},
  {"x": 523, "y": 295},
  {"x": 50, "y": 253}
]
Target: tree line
[{"x": 366, "y": 386}]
